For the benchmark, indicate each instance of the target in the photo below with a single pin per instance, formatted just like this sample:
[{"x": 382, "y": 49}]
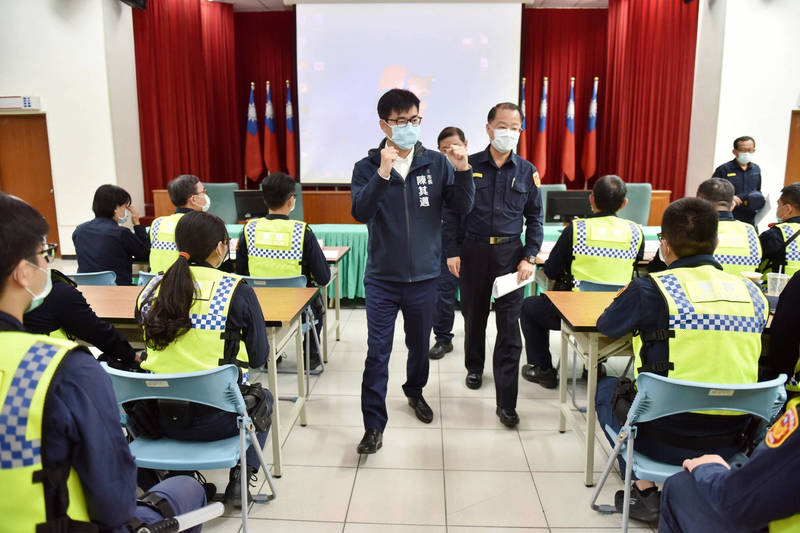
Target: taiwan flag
[
  {"x": 589, "y": 156},
  {"x": 270, "y": 136},
  {"x": 540, "y": 146},
  {"x": 523, "y": 135},
  {"x": 291, "y": 147},
  {"x": 568, "y": 150},
  {"x": 253, "y": 167}
]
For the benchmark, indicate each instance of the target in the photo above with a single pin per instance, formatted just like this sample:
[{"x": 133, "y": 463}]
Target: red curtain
[
  {"x": 560, "y": 43},
  {"x": 266, "y": 52},
  {"x": 647, "y": 105}
]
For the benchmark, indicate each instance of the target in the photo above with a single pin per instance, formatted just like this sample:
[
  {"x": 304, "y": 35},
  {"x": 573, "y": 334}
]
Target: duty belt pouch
[
  {"x": 143, "y": 418},
  {"x": 259, "y": 405},
  {"x": 175, "y": 414},
  {"x": 621, "y": 400}
]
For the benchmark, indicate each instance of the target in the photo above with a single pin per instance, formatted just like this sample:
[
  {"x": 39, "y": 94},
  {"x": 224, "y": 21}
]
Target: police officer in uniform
[
  {"x": 760, "y": 495},
  {"x": 739, "y": 249},
  {"x": 219, "y": 322},
  {"x": 691, "y": 322},
  {"x": 64, "y": 461},
  {"x": 506, "y": 194},
  {"x": 601, "y": 249},
  {"x": 745, "y": 176},
  {"x": 187, "y": 194},
  {"x": 276, "y": 246},
  {"x": 783, "y": 356},
  {"x": 776, "y": 242}
]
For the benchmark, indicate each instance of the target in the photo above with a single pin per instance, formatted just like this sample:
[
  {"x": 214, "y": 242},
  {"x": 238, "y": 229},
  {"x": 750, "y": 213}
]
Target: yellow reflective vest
[
  {"x": 274, "y": 247},
  {"x": 163, "y": 249},
  {"x": 604, "y": 249},
  {"x": 739, "y": 249},
  {"x": 793, "y": 250}
]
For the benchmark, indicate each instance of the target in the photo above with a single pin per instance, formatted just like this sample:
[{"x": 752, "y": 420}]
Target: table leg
[
  {"x": 337, "y": 300},
  {"x": 591, "y": 390},
  {"x": 562, "y": 378},
  {"x": 272, "y": 378},
  {"x": 302, "y": 391},
  {"x": 325, "y": 327}
]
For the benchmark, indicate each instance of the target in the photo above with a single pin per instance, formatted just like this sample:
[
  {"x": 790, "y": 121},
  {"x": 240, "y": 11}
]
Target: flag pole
[{"x": 244, "y": 177}]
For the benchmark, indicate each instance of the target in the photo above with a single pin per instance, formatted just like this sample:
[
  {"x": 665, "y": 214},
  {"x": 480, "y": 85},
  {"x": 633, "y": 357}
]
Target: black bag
[
  {"x": 622, "y": 399},
  {"x": 143, "y": 418},
  {"x": 258, "y": 401}
]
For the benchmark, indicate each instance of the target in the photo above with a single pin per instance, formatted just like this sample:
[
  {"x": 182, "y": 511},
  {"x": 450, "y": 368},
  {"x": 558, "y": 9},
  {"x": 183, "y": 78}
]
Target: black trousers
[
  {"x": 539, "y": 317},
  {"x": 481, "y": 263}
]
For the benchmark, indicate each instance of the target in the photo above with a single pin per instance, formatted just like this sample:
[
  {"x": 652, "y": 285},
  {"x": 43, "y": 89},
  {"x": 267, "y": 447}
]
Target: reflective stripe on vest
[
  {"x": 202, "y": 346},
  {"x": 789, "y": 524},
  {"x": 163, "y": 250},
  {"x": 274, "y": 247},
  {"x": 793, "y": 250},
  {"x": 717, "y": 319},
  {"x": 739, "y": 249},
  {"x": 27, "y": 368},
  {"x": 605, "y": 249}
]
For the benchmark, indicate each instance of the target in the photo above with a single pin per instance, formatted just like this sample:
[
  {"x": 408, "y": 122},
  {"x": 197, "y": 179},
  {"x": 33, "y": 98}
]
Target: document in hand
[{"x": 507, "y": 283}]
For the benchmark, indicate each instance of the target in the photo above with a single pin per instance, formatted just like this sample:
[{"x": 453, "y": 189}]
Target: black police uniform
[
  {"x": 102, "y": 244},
  {"x": 772, "y": 244},
  {"x": 492, "y": 247},
  {"x": 746, "y": 185},
  {"x": 446, "y": 285},
  {"x": 784, "y": 333}
]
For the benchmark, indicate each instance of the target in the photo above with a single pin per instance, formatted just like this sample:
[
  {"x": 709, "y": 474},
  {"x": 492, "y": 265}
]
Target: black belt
[{"x": 492, "y": 240}]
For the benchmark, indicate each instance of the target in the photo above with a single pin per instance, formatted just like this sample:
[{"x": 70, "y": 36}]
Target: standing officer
[
  {"x": 738, "y": 249},
  {"x": 399, "y": 190},
  {"x": 780, "y": 243},
  {"x": 601, "y": 249},
  {"x": 187, "y": 194},
  {"x": 746, "y": 179},
  {"x": 64, "y": 462},
  {"x": 444, "y": 314},
  {"x": 506, "y": 192}
]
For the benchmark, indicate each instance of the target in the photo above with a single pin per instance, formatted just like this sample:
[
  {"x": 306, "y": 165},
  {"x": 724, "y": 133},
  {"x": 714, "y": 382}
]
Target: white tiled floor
[{"x": 463, "y": 473}]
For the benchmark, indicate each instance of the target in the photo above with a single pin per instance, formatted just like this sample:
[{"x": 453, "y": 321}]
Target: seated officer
[
  {"x": 745, "y": 176},
  {"x": 691, "y": 322},
  {"x": 738, "y": 249},
  {"x": 602, "y": 249},
  {"x": 64, "y": 461},
  {"x": 776, "y": 242},
  {"x": 188, "y": 329},
  {"x": 784, "y": 339},
  {"x": 187, "y": 194},
  {"x": 104, "y": 243},
  {"x": 276, "y": 246},
  {"x": 65, "y": 314},
  {"x": 761, "y": 494}
]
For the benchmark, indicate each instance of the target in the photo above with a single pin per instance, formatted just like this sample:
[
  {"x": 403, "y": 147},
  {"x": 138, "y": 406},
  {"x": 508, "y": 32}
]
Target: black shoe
[
  {"x": 421, "y": 409},
  {"x": 601, "y": 372},
  {"x": 439, "y": 349},
  {"x": 233, "y": 492},
  {"x": 645, "y": 505},
  {"x": 372, "y": 441},
  {"x": 314, "y": 362},
  {"x": 474, "y": 380},
  {"x": 546, "y": 378},
  {"x": 508, "y": 417}
]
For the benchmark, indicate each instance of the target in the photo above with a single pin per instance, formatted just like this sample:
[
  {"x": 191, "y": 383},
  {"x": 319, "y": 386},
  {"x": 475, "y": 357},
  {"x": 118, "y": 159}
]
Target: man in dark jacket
[{"x": 399, "y": 190}]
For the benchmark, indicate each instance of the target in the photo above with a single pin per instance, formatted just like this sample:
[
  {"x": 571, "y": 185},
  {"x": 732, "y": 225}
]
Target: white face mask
[
  {"x": 125, "y": 218},
  {"x": 206, "y": 207},
  {"x": 743, "y": 158},
  {"x": 48, "y": 286},
  {"x": 505, "y": 139}
]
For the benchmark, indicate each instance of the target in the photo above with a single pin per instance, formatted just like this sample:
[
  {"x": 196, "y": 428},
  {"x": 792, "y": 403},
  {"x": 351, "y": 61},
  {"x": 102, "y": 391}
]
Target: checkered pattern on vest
[
  {"x": 156, "y": 244},
  {"x": 754, "y": 259},
  {"x": 214, "y": 320},
  {"x": 581, "y": 248},
  {"x": 793, "y": 250},
  {"x": 294, "y": 253}
]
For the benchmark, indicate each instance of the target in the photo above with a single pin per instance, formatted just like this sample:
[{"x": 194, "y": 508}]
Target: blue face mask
[{"x": 405, "y": 137}]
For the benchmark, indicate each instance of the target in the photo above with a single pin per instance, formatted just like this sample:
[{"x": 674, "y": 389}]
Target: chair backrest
[
  {"x": 145, "y": 277},
  {"x": 222, "y": 203},
  {"x": 591, "y": 286},
  {"x": 297, "y": 212},
  {"x": 217, "y": 387},
  {"x": 105, "y": 277},
  {"x": 543, "y": 190},
  {"x": 658, "y": 396},
  {"x": 638, "y": 208},
  {"x": 291, "y": 281}
]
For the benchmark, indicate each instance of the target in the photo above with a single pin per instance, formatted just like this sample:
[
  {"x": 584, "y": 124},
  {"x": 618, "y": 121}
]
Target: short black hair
[
  {"x": 690, "y": 226},
  {"x": 609, "y": 193},
  {"x": 398, "y": 100},
  {"x": 791, "y": 195},
  {"x": 182, "y": 188},
  {"x": 22, "y": 230},
  {"x": 107, "y": 198},
  {"x": 449, "y": 131},
  {"x": 277, "y": 188},
  {"x": 503, "y": 105},
  {"x": 717, "y": 191},
  {"x": 741, "y": 140}
]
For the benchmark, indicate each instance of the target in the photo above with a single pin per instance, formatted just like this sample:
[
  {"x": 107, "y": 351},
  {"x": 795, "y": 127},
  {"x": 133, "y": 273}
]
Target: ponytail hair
[{"x": 166, "y": 317}]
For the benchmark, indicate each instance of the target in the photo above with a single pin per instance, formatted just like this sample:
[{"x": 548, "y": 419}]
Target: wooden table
[
  {"x": 281, "y": 308},
  {"x": 333, "y": 261}
]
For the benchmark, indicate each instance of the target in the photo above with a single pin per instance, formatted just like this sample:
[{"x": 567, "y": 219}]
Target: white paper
[
  {"x": 507, "y": 283},
  {"x": 331, "y": 254}
]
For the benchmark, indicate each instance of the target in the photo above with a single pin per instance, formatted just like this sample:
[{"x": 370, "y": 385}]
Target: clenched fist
[
  {"x": 457, "y": 155},
  {"x": 388, "y": 156}
]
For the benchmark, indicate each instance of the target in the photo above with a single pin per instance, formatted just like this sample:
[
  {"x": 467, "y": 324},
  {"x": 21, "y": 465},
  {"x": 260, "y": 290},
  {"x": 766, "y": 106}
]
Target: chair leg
[
  {"x": 604, "y": 508},
  {"x": 244, "y": 477},
  {"x": 263, "y": 464},
  {"x": 626, "y": 503},
  {"x": 319, "y": 345}
]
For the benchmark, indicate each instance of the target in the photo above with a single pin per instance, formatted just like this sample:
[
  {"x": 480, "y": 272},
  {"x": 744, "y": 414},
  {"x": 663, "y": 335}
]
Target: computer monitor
[
  {"x": 563, "y": 206},
  {"x": 250, "y": 204}
]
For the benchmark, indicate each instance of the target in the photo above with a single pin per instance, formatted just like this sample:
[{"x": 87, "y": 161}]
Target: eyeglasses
[
  {"x": 204, "y": 191},
  {"x": 49, "y": 252},
  {"x": 659, "y": 236},
  {"x": 415, "y": 120}
]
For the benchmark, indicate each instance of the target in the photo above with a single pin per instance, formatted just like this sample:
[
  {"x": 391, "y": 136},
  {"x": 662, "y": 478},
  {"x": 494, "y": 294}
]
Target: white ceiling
[{"x": 278, "y": 5}]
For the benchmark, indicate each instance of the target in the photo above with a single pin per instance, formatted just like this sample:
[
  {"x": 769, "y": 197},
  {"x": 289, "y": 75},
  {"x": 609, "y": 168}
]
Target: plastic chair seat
[
  {"x": 169, "y": 454},
  {"x": 103, "y": 278}
]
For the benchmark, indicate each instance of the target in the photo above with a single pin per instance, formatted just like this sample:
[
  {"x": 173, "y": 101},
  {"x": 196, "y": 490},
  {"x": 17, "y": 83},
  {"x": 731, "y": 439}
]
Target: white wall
[{"x": 57, "y": 50}]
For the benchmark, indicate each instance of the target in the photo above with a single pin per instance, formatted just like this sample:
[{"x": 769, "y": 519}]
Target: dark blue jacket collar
[
  {"x": 602, "y": 214},
  {"x": 725, "y": 215},
  {"x": 793, "y": 220},
  {"x": 183, "y": 210},
  {"x": 422, "y": 156},
  {"x": 9, "y": 323},
  {"x": 695, "y": 261},
  {"x": 486, "y": 157}
]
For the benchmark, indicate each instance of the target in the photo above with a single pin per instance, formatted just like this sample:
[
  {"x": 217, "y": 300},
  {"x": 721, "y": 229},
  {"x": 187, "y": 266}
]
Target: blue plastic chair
[
  {"x": 144, "y": 278},
  {"x": 222, "y": 202},
  {"x": 543, "y": 190},
  {"x": 591, "y": 286},
  {"x": 297, "y": 212},
  {"x": 104, "y": 277},
  {"x": 658, "y": 397},
  {"x": 217, "y": 387},
  {"x": 638, "y": 208}
]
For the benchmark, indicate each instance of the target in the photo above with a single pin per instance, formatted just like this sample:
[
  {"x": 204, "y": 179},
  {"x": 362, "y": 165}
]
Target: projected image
[{"x": 350, "y": 54}]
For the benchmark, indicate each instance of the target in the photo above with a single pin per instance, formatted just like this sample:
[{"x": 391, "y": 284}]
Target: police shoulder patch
[
  {"x": 781, "y": 429},
  {"x": 477, "y": 174},
  {"x": 731, "y": 174},
  {"x": 536, "y": 180}
]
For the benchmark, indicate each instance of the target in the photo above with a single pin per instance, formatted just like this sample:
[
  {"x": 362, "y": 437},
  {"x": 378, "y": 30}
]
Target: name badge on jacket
[{"x": 423, "y": 181}]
